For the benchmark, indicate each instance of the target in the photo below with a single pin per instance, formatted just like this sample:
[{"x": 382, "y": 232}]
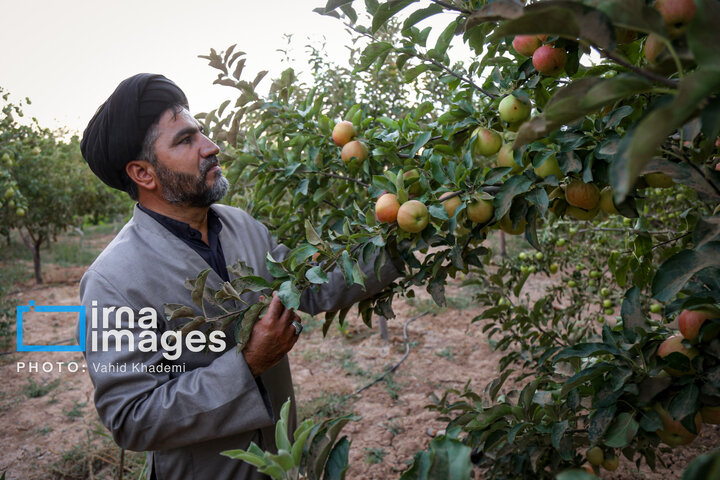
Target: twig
[
  {"x": 326, "y": 174},
  {"x": 460, "y": 77},
  {"x": 392, "y": 369},
  {"x": 122, "y": 464},
  {"x": 408, "y": 145},
  {"x": 451, "y": 7},
  {"x": 640, "y": 71}
]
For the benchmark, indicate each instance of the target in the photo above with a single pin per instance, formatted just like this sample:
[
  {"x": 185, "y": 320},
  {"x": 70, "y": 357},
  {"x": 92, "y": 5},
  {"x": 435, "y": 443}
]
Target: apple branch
[
  {"x": 325, "y": 174},
  {"x": 449, "y": 6},
  {"x": 461, "y": 77},
  {"x": 640, "y": 71}
]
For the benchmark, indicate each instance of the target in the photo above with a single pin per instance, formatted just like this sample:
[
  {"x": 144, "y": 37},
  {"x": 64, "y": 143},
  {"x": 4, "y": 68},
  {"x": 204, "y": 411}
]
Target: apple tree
[{"x": 588, "y": 127}]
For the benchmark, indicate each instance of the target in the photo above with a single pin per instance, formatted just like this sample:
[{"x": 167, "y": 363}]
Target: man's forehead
[{"x": 173, "y": 120}]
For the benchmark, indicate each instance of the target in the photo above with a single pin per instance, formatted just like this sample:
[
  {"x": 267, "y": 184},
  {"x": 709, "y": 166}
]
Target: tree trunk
[
  {"x": 382, "y": 325},
  {"x": 36, "y": 262},
  {"x": 503, "y": 251},
  {"x": 33, "y": 244}
]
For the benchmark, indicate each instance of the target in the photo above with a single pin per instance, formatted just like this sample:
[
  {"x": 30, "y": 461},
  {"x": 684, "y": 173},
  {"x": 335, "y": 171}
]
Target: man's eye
[{"x": 186, "y": 140}]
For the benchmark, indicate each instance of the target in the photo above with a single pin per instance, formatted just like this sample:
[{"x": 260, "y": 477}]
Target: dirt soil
[{"x": 447, "y": 350}]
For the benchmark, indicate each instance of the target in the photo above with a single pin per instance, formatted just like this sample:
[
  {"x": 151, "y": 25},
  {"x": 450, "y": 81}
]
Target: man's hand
[{"x": 272, "y": 337}]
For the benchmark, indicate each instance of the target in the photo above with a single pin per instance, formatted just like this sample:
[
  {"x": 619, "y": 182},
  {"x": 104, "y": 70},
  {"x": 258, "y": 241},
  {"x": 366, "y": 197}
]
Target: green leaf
[
  {"x": 584, "y": 350},
  {"x": 175, "y": 310},
  {"x": 371, "y": 53},
  {"x": 337, "y": 462},
  {"x": 346, "y": 265},
  {"x": 246, "y": 321},
  {"x": 631, "y": 313},
  {"x": 289, "y": 295},
  {"x": 641, "y": 144},
  {"x": 311, "y": 234},
  {"x": 633, "y": 15},
  {"x": 558, "y": 430},
  {"x": 299, "y": 254},
  {"x": 419, "y": 15},
  {"x": 513, "y": 187},
  {"x": 599, "y": 422},
  {"x": 685, "y": 402},
  {"x": 622, "y": 430},
  {"x": 584, "y": 376},
  {"x": 675, "y": 272},
  {"x": 575, "y": 475},
  {"x": 387, "y": 10},
  {"x": 245, "y": 456},
  {"x": 420, "y": 141},
  {"x": 197, "y": 287},
  {"x": 443, "y": 41},
  {"x": 706, "y": 230},
  {"x": 683, "y": 173},
  {"x": 703, "y": 35},
  {"x": 316, "y": 275},
  {"x": 704, "y": 467}
]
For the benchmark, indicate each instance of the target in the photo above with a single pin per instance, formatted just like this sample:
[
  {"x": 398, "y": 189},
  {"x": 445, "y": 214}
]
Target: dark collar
[{"x": 182, "y": 229}]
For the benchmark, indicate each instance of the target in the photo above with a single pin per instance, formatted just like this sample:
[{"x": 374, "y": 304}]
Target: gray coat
[{"x": 185, "y": 419}]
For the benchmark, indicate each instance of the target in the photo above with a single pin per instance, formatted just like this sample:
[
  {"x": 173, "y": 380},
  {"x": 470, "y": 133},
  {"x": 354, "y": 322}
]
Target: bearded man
[{"x": 144, "y": 141}]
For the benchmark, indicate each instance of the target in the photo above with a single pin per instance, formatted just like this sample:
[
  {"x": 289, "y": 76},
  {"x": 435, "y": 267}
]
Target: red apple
[
  {"x": 487, "y": 142},
  {"x": 673, "y": 433},
  {"x": 653, "y": 46},
  {"x": 582, "y": 195},
  {"x": 386, "y": 208},
  {"x": 526, "y": 44},
  {"x": 343, "y": 132},
  {"x": 514, "y": 110},
  {"x": 413, "y": 216},
  {"x": 480, "y": 210},
  {"x": 549, "y": 60},
  {"x": 674, "y": 344},
  {"x": 690, "y": 321},
  {"x": 354, "y": 153},
  {"x": 451, "y": 204},
  {"x": 677, "y": 15}
]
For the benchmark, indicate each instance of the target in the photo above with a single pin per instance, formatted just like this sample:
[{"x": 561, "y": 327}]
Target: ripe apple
[
  {"x": 549, "y": 167},
  {"x": 583, "y": 195},
  {"x": 506, "y": 225},
  {"x": 505, "y": 158},
  {"x": 487, "y": 142},
  {"x": 451, "y": 204},
  {"x": 653, "y": 46},
  {"x": 607, "y": 204},
  {"x": 526, "y": 44},
  {"x": 413, "y": 216},
  {"x": 514, "y": 110},
  {"x": 480, "y": 210},
  {"x": 677, "y": 15},
  {"x": 581, "y": 214},
  {"x": 674, "y": 344},
  {"x": 595, "y": 456},
  {"x": 386, "y": 208},
  {"x": 690, "y": 321},
  {"x": 354, "y": 153},
  {"x": 343, "y": 132},
  {"x": 659, "y": 180},
  {"x": 411, "y": 179},
  {"x": 549, "y": 60},
  {"x": 710, "y": 414},
  {"x": 673, "y": 433}
]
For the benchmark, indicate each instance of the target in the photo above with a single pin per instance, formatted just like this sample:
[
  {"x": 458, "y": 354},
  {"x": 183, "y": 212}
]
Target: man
[{"x": 144, "y": 141}]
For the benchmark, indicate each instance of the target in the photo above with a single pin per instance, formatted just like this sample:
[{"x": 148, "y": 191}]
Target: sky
[{"x": 68, "y": 56}]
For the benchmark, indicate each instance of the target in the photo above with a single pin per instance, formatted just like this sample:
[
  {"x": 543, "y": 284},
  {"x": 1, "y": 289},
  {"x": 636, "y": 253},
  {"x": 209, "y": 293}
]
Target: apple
[
  {"x": 20, "y": 212},
  {"x": 653, "y": 46},
  {"x": 506, "y": 225},
  {"x": 386, "y": 208},
  {"x": 595, "y": 456},
  {"x": 354, "y": 153},
  {"x": 514, "y": 110},
  {"x": 677, "y": 15},
  {"x": 674, "y": 344},
  {"x": 411, "y": 179},
  {"x": 690, "y": 321},
  {"x": 549, "y": 167},
  {"x": 655, "y": 308},
  {"x": 480, "y": 210},
  {"x": 505, "y": 158},
  {"x": 451, "y": 204},
  {"x": 607, "y": 204},
  {"x": 581, "y": 214},
  {"x": 413, "y": 216},
  {"x": 343, "y": 132},
  {"x": 659, "y": 180},
  {"x": 673, "y": 433},
  {"x": 611, "y": 463},
  {"x": 583, "y": 195},
  {"x": 710, "y": 414},
  {"x": 487, "y": 142},
  {"x": 554, "y": 268},
  {"x": 526, "y": 44},
  {"x": 549, "y": 60}
]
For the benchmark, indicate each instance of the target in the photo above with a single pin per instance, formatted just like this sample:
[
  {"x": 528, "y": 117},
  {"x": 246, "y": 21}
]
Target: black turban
[{"x": 116, "y": 132}]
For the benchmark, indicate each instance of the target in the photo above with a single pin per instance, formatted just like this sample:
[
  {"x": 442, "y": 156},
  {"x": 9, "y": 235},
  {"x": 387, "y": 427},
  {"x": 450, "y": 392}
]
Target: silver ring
[{"x": 298, "y": 326}]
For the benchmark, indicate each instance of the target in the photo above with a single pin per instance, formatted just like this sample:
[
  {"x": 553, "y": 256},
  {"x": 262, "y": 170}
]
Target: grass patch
[
  {"x": 327, "y": 405},
  {"x": 76, "y": 411},
  {"x": 374, "y": 455},
  {"x": 37, "y": 390},
  {"x": 446, "y": 353}
]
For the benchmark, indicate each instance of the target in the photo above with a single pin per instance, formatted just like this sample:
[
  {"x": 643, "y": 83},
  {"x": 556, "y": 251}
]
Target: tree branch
[
  {"x": 460, "y": 77},
  {"x": 326, "y": 174},
  {"x": 449, "y": 6},
  {"x": 640, "y": 71}
]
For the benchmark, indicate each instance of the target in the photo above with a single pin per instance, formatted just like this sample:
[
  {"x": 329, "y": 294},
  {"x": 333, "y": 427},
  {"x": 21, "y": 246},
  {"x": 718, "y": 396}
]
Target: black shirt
[{"x": 212, "y": 253}]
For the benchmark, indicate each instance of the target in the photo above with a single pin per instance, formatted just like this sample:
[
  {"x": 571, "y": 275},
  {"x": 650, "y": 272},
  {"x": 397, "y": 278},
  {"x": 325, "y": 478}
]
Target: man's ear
[{"x": 143, "y": 173}]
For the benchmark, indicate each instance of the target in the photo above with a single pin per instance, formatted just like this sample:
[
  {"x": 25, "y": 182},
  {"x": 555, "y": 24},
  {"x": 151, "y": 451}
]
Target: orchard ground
[{"x": 49, "y": 427}]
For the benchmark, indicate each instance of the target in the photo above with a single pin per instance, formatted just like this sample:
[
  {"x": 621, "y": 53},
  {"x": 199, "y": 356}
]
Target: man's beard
[{"x": 185, "y": 189}]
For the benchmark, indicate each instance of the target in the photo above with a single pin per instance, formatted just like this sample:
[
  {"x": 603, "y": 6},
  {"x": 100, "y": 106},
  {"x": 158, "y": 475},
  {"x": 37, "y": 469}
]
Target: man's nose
[{"x": 209, "y": 147}]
